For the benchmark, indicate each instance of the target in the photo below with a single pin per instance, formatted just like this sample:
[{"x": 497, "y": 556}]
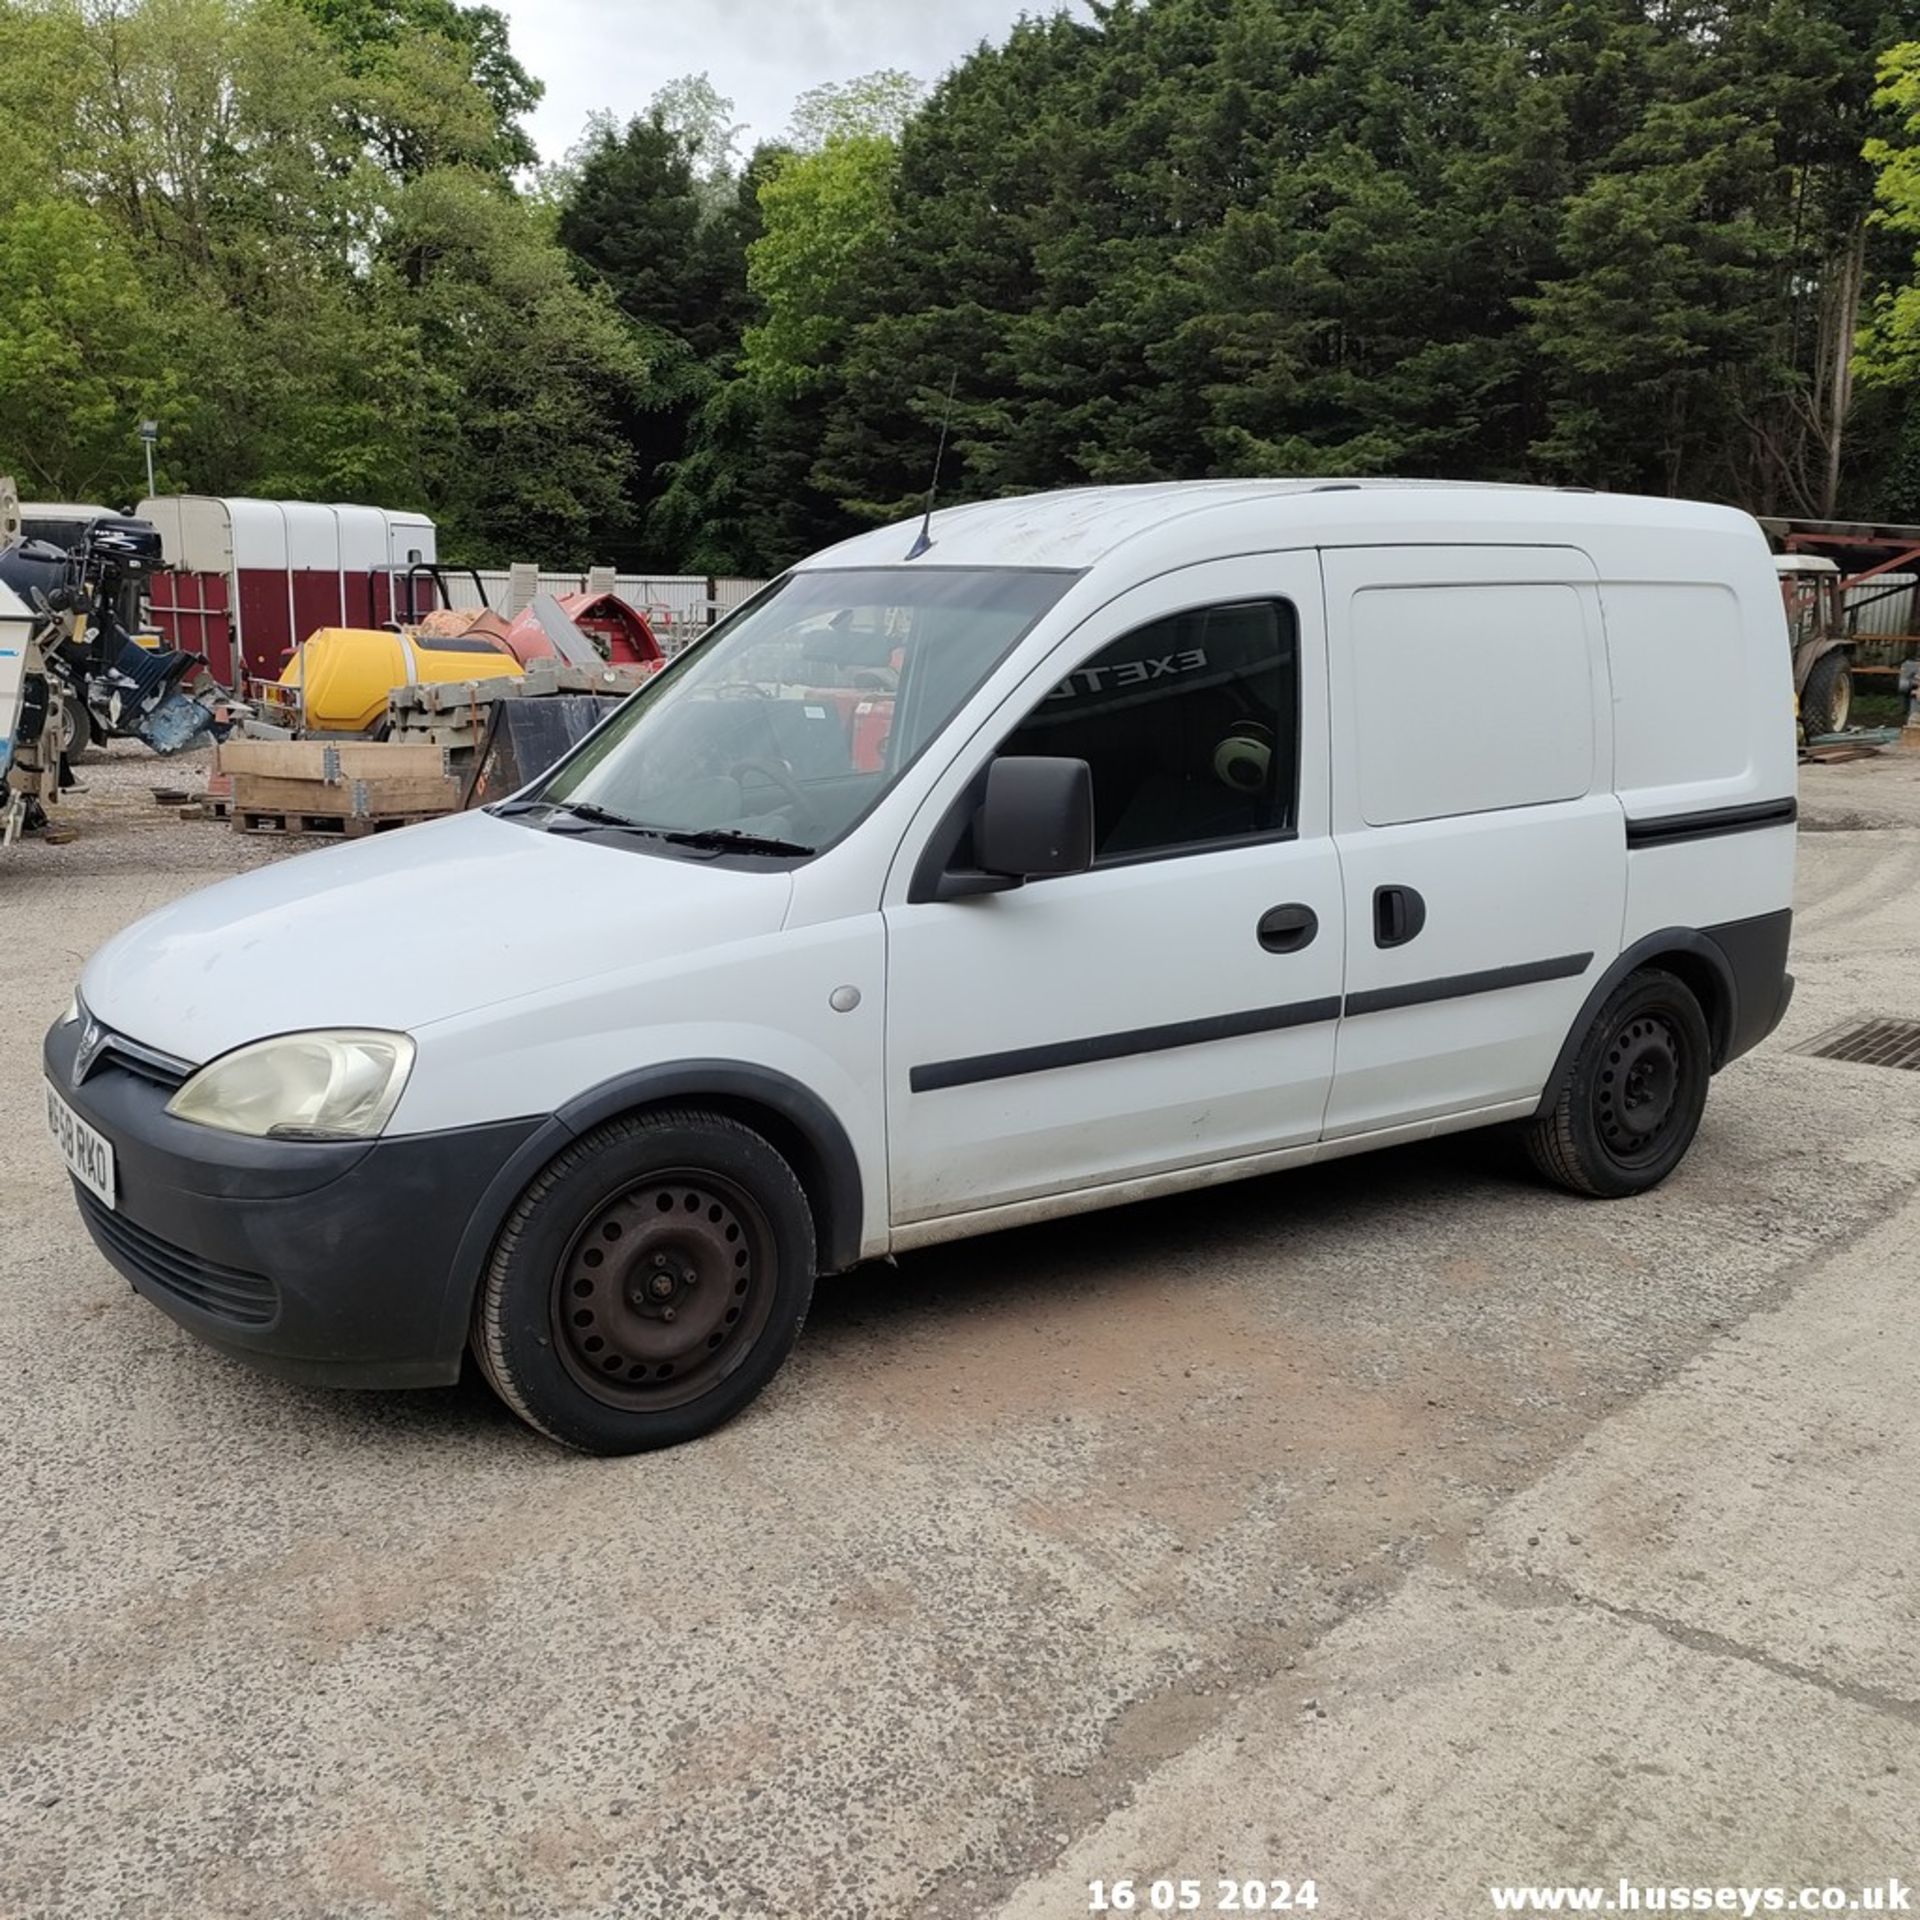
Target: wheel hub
[
  {"x": 1639, "y": 1084},
  {"x": 662, "y": 1288}
]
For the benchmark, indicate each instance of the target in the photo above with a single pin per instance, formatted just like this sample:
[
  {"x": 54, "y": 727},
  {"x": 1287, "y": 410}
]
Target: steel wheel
[
  {"x": 663, "y": 1289},
  {"x": 1637, "y": 1094},
  {"x": 1628, "y": 1109},
  {"x": 649, "y": 1282}
]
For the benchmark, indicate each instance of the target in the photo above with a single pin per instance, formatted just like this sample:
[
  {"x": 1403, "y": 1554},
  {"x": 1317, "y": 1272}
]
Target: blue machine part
[{"x": 178, "y": 722}]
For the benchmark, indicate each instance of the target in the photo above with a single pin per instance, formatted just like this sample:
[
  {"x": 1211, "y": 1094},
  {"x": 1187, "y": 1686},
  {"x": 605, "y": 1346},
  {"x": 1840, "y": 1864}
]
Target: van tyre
[
  {"x": 648, "y": 1284},
  {"x": 1632, "y": 1103}
]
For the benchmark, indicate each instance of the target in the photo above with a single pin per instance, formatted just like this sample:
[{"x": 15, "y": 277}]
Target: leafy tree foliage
[
  {"x": 81, "y": 352},
  {"x": 406, "y": 54},
  {"x": 285, "y": 229},
  {"x": 877, "y": 104},
  {"x": 1624, "y": 243}
]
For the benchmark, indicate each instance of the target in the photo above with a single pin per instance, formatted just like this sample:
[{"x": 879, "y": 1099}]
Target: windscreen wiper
[
  {"x": 596, "y": 816},
  {"x": 707, "y": 839},
  {"x": 733, "y": 840}
]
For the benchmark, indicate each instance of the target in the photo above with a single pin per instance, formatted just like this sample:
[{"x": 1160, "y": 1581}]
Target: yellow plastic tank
[{"x": 343, "y": 675}]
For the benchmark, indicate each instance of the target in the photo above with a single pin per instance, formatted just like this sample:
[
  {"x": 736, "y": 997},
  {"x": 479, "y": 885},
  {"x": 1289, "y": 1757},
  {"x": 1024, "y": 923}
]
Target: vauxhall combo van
[{"x": 1032, "y": 857}]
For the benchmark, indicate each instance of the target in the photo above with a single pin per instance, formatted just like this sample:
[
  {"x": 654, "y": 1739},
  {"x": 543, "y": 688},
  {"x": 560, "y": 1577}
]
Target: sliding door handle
[
  {"x": 1398, "y": 914},
  {"x": 1287, "y": 929}
]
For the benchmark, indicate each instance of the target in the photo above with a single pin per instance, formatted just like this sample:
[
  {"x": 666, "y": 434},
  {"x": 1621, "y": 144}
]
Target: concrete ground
[{"x": 1399, "y": 1524}]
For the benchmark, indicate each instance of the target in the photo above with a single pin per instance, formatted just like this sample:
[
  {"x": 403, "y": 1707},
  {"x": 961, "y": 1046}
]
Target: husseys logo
[{"x": 1129, "y": 673}]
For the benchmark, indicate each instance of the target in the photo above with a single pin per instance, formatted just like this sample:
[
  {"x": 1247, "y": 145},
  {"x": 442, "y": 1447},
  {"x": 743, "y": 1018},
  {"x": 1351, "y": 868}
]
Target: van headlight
[{"x": 301, "y": 1086}]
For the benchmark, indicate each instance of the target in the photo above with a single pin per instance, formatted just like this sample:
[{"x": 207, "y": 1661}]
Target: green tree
[
  {"x": 1697, "y": 321},
  {"x": 825, "y": 221},
  {"x": 434, "y": 82},
  {"x": 696, "y": 110},
  {"x": 42, "y": 83},
  {"x": 974, "y": 189},
  {"x": 524, "y": 374},
  {"x": 81, "y": 355},
  {"x": 739, "y": 497},
  {"x": 641, "y": 222},
  {"x": 1890, "y": 346},
  {"x": 877, "y": 105},
  {"x": 633, "y": 218}
]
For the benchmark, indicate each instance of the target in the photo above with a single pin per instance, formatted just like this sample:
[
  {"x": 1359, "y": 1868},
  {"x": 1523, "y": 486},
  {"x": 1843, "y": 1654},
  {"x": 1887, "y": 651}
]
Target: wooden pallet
[
  {"x": 333, "y": 761},
  {"x": 339, "y": 826}
]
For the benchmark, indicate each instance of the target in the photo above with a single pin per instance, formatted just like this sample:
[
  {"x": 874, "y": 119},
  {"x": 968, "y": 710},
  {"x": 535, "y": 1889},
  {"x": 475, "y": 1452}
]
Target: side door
[
  {"x": 1483, "y": 851},
  {"x": 1177, "y": 1003}
]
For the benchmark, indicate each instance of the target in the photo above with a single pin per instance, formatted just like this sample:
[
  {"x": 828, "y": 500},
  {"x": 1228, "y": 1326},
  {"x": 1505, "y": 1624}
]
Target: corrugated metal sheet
[{"x": 1893, "y": 615}]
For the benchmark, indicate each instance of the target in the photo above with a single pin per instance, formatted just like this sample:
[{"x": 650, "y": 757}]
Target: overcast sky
[{"x": 761, "y": 53}]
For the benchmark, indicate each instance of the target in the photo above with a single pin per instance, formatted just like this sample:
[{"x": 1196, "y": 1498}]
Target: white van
[{"x": 1048, "y": 854}]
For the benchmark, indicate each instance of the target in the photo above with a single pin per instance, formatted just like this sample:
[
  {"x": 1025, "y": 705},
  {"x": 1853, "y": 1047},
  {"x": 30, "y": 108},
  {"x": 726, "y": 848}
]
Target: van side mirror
[
  {"x": 1036, "y": 819},
  {"x": 1026, "y": 816}
]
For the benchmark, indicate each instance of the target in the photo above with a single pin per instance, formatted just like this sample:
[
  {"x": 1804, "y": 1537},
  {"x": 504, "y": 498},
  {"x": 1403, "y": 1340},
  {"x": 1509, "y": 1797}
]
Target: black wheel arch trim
[
  {"x": 830, "y": 1177},
  {"x": 1744, "y": 1010}
]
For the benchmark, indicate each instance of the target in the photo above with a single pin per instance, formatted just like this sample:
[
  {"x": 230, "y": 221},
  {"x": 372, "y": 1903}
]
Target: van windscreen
[{"x": 791, "y": 720}]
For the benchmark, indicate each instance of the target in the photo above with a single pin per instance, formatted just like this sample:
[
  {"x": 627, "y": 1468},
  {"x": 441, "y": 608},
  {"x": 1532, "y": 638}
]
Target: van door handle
[
  {"x": 1287, "y": 929},
  {"x": 1398, "y": 914}
]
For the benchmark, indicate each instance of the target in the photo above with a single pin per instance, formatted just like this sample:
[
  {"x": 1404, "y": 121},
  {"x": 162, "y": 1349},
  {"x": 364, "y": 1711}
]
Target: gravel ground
[{"x": 1021, "y": 1531}]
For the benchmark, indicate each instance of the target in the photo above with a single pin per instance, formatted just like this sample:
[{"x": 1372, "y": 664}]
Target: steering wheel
[{"x": 777, "y": 777}]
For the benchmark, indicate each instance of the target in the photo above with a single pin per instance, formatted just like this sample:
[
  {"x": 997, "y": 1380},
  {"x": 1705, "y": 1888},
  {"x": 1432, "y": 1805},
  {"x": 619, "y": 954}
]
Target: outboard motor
[{"x": 158, "y": 695}]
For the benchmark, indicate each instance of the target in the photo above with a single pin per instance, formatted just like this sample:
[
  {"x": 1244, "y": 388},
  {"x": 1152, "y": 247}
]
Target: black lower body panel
[
  {"x": 1756, "y": 955},
  {"x": 335, "y": 1263}
]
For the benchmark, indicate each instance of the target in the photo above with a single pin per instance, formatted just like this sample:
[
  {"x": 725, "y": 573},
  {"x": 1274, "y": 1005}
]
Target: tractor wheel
[{"x": 1826, "y": 701}]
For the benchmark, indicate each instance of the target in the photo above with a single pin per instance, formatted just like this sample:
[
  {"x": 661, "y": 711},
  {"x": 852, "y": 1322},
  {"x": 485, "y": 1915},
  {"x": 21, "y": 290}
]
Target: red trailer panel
[
  {"x": 316, "y": 601},
  {"x": 191, "y": 611},
  {"x": 266, "y": 623}
]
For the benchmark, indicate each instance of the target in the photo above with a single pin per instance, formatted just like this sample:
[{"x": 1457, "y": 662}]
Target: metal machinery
[
  {"x": 1836, "y": 576},
  {"x": 70, "y": 667}
]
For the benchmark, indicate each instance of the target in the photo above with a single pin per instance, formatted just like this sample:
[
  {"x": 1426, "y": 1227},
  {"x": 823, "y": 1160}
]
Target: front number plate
[{"x": 87, "y": 1152}]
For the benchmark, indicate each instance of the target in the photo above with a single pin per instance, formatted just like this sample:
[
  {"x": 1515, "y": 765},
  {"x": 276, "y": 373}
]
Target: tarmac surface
[{"x": 1399, "y": 1524}]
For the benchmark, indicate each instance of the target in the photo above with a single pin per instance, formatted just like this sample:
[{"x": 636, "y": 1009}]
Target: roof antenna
[{"x": 924, "y": 538}]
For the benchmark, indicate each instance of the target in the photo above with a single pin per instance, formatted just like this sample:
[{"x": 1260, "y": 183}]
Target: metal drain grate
[{"x": 1875, "y": 1043}]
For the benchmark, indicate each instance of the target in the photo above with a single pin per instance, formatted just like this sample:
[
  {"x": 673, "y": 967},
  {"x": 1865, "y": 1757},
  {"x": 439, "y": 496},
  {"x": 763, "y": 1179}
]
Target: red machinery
[
  {"x": 1848, "y": 584},
  {"x": 620, "y": 632}
]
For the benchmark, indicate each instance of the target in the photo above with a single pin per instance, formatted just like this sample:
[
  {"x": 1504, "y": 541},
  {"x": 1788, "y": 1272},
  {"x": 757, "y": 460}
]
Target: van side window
[
  {"x": 1190, "y": 726},
  {"x": 1470, "y": 698}
]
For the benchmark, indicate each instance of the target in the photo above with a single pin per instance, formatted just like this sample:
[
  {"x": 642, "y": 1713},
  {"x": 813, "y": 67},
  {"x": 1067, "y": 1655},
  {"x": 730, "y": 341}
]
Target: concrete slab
[
  {"x": 1023, "y": 1525},
  {"x": 1766, "y": 1496},
  {"x": 1460, "y": 1739}
]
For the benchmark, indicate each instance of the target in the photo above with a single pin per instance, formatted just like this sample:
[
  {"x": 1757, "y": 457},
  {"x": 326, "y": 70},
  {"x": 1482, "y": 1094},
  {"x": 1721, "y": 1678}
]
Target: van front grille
[{"x": 222, "y": 1293}]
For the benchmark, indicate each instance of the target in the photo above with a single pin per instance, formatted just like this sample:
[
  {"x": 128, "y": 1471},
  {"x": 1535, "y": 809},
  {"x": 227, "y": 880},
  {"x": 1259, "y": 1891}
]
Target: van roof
[{"x": 1076, "y": 527}]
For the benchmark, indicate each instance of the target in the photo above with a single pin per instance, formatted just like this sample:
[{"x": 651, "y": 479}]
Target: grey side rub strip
[
  {"x": 1750, "y": 816},
  {"x": 1416, "y": 993},
  {"x": 1117, "y": 1046},
  {"x": 1229, "y": 1026}
]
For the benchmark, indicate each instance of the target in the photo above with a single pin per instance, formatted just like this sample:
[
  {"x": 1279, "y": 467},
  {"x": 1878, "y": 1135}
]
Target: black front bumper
[{"x": 335, "y": 1263}]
